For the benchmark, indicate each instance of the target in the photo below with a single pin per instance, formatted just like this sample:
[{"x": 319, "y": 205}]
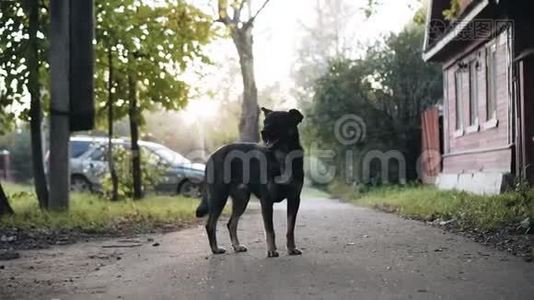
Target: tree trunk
[
  {"x": 248, "y": 124},
  {"x": 5, "y": 208},
  {"x": 111, "y": 162},
  {"x": 133, "y": 115},
  {"x": 41, "y": 187}
]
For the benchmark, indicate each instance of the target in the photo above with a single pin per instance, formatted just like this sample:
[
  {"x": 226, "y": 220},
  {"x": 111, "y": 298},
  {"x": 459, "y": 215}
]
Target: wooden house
[{"x": 486, "y": 48}]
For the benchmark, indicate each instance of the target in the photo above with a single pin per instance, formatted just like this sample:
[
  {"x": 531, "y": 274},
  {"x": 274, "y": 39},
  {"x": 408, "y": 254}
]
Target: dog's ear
[
  {"x": 266, "y": 111},
  {"x": 296, "y": 115}
]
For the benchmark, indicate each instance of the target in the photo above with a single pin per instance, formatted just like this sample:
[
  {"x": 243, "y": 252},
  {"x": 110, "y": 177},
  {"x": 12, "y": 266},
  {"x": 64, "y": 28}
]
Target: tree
[
  {"x": 5, "y": 208},
  {"x": 23, "y": 49},
  {"x": 6, "y": 120},
  {"x": 110, "y": 118},
  {"x": 150, "y": 47},
  {"x": 388, "y": 89},
  {"x": 328, "y": 37},
  {"x": 110, "y": 89},
  {"x": 408, "y": 86},
  {"x": 344, "y": 89},
  {"x": 241, "y": 33}
]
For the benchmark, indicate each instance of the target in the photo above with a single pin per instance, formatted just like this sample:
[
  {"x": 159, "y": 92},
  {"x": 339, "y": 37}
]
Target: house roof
[{"x": 442, "y": 33}]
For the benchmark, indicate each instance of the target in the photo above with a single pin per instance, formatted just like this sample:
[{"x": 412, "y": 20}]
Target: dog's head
[{"x": 280, "y": 127}]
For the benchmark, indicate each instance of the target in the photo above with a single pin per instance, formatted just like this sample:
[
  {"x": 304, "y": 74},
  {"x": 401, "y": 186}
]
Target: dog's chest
[
  {"x": 289, "y": 166},
  {"x": 279, "y": 192}
]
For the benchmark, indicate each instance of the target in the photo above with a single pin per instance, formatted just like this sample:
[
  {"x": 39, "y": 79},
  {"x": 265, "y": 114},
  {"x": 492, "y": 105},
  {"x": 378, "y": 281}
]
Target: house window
[
  {"x": 458, "y": 98},
  {"x": 491, "y": 82},
  {"x": 473, "y": 93}
]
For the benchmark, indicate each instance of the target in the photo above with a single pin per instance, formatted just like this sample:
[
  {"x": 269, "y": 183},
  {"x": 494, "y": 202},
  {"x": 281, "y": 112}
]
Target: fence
[{"x": 431, "y": 145}]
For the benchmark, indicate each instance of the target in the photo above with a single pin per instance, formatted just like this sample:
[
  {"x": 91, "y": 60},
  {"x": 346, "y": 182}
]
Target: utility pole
[
  {"x": 71, "y": 105},
  {"x": 59, "y": 169}
]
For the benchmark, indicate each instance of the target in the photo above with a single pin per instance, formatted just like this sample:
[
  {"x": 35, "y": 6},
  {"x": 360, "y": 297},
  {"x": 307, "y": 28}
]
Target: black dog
[{"x": 272, "y": 172}]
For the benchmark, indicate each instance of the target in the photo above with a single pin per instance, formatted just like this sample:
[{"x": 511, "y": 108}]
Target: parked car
[{"x": 89, "y": 165}]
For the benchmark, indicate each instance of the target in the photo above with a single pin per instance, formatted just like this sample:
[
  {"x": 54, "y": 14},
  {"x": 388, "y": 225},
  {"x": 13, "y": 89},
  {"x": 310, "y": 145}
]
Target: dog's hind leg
[
  {"x": 218, "y": 198},
  {"x": 240, "y": 197}
]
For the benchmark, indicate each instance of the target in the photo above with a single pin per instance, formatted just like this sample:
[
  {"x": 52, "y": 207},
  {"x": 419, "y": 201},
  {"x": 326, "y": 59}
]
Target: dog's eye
[{"x": 268, "y": 127}]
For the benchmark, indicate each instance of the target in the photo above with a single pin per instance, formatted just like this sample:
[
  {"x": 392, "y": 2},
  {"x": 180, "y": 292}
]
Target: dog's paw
[
  {"x": 218, "y": 251},
  {"x": 240, "y": 248},
  {"x": 294, "y": 251},
  {"x": 272, "y": 253}
]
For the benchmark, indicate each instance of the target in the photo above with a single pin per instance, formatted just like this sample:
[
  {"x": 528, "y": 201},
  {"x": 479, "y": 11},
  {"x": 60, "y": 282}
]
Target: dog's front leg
[
  {"x": 267, "y": 213},
  {"x": 292, "y": 209}
]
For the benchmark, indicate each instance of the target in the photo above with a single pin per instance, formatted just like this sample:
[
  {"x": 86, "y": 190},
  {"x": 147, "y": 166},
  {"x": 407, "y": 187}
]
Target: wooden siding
[
  {"x": 494, "y": 161},
  {"x": 492, "y": 140}
]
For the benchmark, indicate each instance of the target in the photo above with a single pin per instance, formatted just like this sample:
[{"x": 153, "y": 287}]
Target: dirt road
[{"x": 349, "y": 253}]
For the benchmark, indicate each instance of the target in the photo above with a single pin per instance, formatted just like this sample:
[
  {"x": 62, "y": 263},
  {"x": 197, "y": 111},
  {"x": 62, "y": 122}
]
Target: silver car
[{"x": 89, "y": 165}]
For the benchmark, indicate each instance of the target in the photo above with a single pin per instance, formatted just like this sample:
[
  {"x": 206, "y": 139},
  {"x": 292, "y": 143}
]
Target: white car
[{"x": 89, "y": 165}]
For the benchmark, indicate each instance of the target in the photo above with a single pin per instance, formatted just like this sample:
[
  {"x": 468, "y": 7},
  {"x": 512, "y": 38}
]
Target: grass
[
  {"x": 91, "y": 214},
  {"x": 428, "y": 203}
]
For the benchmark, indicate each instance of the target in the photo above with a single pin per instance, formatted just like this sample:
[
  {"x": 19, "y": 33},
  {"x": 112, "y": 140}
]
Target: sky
[
  {"x": 277, "y": 34},
  {"x": 278, "y": 31}
]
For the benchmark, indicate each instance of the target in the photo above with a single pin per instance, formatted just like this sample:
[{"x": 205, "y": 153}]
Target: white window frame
[
  {"x": 458, "y": 103},
  {"x": 473, "y": 69},
  {"x": 491, "y": 86}
]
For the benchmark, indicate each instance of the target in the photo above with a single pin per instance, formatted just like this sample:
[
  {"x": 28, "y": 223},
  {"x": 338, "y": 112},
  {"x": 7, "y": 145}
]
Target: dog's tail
[{"x": 203, "y": 207}]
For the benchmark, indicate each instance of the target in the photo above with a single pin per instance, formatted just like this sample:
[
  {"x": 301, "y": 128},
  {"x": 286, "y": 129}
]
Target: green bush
[{"x": 151, "y": 167}]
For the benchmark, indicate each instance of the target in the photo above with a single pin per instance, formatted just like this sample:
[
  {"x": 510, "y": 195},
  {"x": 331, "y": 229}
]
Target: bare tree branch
[
  {"x": 251, "y": 20},
  {"x": 222, "y": 6},
  {"x": 237, "y": 12}
]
